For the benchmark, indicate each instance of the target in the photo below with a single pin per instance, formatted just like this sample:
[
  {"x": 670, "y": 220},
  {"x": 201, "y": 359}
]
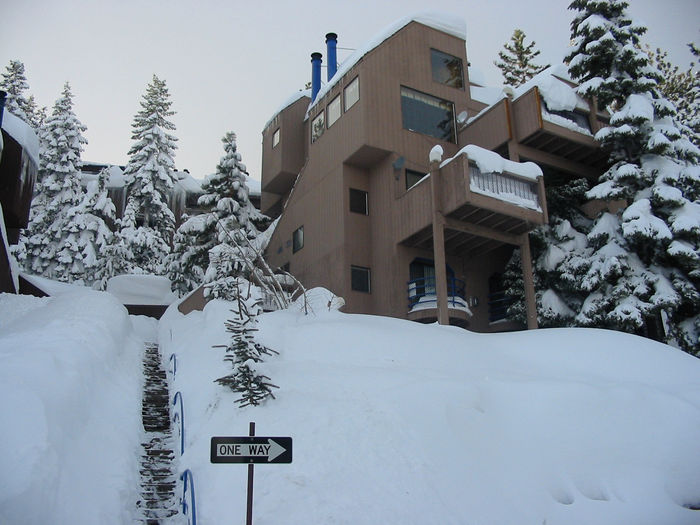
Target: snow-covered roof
[
  {"x": 141, "y": 289},
  {"x": 188, "y": 183},
  {"x": 552, "y": 84},
  {"x": 288, "y": 102},
  {"x": 23, "y": 134},
  {"x": 476, "y": 76},
  {"x": 491, "y": 162},
  {"x": 254, "y": 186},
  {"x": 115, "y": 180},
  {"x": 445, "y": 22},
  {"x": 486, "y": 95}
]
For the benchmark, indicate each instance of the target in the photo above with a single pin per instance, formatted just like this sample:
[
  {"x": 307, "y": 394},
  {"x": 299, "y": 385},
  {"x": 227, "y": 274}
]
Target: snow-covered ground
[
  {"x": 70, "y": 391},
  {"x": 397, "y": 422},
  {"x": 393, "y": 422}
]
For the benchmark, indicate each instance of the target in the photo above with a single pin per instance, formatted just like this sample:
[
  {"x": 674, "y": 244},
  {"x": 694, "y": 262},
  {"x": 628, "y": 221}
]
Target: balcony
[
  {"x": 482, "y": 208},
  {"x": 422, "y": 301}
]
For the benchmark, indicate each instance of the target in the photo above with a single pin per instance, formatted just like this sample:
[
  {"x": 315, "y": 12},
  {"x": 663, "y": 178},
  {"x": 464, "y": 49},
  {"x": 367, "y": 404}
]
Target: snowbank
[
  {"x": 141, "y": 289},
  {"x": 23, "y": 134},
  {"x": 70, "y": 388},
  {"x": 397, "y": 422}
]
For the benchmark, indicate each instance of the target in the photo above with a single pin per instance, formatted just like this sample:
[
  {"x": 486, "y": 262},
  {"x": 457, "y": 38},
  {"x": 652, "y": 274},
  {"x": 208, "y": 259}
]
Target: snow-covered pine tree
[
  {"x": 233, "y": 219},
  {"x": 682, "y": 88},
  {"x": 148, "y": 224},
  {"x": 557, "y": 295},
  {"x": 641, "y": 263},
  {"x": 244, "y": 353},
  {"x": 517, "y": 60},
  {"x": 91, "y": 219},
  {"x": 14, "y": 83},
  {"x": 229, "y": 214},
  {"x": 50, "y": 247}
]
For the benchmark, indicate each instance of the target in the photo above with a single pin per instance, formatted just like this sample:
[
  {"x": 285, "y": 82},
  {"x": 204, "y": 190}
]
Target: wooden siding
[
  {"x": 490, "y": 130},
  {"x": 527, "y": 115}
]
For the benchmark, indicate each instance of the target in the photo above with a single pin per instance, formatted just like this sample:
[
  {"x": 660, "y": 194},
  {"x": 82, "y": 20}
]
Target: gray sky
[{"x": 229, "y": 64}]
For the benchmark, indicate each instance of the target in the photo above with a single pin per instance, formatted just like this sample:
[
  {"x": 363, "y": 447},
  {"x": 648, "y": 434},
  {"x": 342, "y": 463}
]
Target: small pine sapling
[{"x": 243, "y": 352}]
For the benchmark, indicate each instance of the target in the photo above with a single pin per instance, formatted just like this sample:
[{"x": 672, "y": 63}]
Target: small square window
[
  {"x": 359, "y": 202},
  {"x": 276, "y": 137},
  {"x": 333, "y": 111},
  {"x": 413, "y": 177},
  {"x": 352, "y": 93},
  {"x": 298, "y": 239},
  {"x": 318, "y": 125},
  {"x": 360, "y": 279},
  {"x": 447, "y": 69}
]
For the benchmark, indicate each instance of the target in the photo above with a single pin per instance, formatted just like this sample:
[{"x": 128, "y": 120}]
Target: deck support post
[
  {"x": 528, "y": 282},
  {"x": 439, "y": 244}
]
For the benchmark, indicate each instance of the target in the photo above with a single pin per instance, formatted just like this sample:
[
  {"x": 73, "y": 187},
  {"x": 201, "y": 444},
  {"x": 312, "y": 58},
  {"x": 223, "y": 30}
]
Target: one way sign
[{"x": 251, "y": 449}]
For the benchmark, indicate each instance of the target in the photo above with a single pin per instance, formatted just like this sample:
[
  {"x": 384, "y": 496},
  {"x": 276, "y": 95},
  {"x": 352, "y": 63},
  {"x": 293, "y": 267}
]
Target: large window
[
  {"x": 352, "y": 93},
  {"x": 333, "y": 111},
  {"x": 298, "y": 239},
  {"x": 447, "y": 69},
  {"x": 358, "y": 201},
  {"x": 318, "y": 124},
  {"x": 360, "y": 279},
  {"x": 427, "y": 114}
]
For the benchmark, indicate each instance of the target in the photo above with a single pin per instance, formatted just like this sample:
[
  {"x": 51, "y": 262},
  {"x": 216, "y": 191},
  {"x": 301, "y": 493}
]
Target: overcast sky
[{"x": 229, "y": 64}]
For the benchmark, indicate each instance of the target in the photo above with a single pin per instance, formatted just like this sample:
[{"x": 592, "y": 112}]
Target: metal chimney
[
  {"x": 315, "y": 74},
  {"x": 331, "y": 43}
]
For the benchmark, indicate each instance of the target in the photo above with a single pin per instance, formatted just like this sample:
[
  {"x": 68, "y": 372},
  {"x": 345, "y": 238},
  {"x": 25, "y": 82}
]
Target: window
[
  {"x": 427, "y": 114},
  {"x": 333, "y": 111},
  {"x": 358, "y": 201},
  {"x": 318, "y": 124},
  {"x": 352, "y": 93},
  {"x": 412, "y": 178},
  {"x": 298, "y": 239},
  {"x": 359, "y": 279},
  {"x": 276, "y": 137},
  {"x": 447, "y": 69}
]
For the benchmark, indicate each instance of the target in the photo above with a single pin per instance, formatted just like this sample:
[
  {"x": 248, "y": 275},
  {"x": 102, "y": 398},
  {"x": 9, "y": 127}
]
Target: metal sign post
[{"x": 250, "y": 450}]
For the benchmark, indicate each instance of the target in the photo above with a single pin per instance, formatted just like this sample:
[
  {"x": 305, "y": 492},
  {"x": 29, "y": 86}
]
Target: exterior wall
[{"x": 368, "y": 149}]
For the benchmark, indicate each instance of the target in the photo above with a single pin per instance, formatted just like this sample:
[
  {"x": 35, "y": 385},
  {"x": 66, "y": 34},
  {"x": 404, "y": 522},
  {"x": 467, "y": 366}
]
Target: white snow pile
[
  {"x": 22, "y": 133},
  {"x": 491, "y": 162},
  {"x": 141, "y": 289},
  {"x": 71, "y": 390},
  {"x": 398, "y": 422}
]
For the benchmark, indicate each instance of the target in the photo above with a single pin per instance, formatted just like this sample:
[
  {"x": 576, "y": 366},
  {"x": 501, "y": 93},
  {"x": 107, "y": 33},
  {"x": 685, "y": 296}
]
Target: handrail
[
  {"x": 173, "y": 362},
  {"x": 185, "y": 476},
  {"x": 181, "y": 418},
  {"x": 499, "y": 302}
]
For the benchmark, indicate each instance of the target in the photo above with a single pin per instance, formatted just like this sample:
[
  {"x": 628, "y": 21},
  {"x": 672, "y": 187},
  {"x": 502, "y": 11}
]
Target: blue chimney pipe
[
  {"x": 331, "y": 43},
  {"x": 315, "y": 74}
]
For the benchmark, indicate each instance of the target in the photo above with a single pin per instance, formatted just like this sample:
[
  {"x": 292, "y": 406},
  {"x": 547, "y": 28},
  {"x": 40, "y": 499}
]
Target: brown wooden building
[
  {"x": 345, "y": 173},
  {"x": 19, "y": 150}
]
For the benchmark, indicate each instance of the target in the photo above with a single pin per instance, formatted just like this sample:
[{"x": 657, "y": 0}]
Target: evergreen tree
[
  {"x": 148, "y": 224},
  {"x": 14, "y": 83},
  {"x": 681, "y": 88},
  {"x": 516, "y": 62},
  {"x": 638, "y": 262},
  {"x": 244, "y": 353},
  {"x": 90, "y": 221},
  {"x": 50, "y": 246},
  {"x": 211, "y": 247}
]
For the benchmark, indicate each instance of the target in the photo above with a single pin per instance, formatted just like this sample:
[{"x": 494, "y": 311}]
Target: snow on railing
[
  {"x": 186, "y": 477},
  {"x": 179, "y": 416},
  {"x": 504, "y": 187}
]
